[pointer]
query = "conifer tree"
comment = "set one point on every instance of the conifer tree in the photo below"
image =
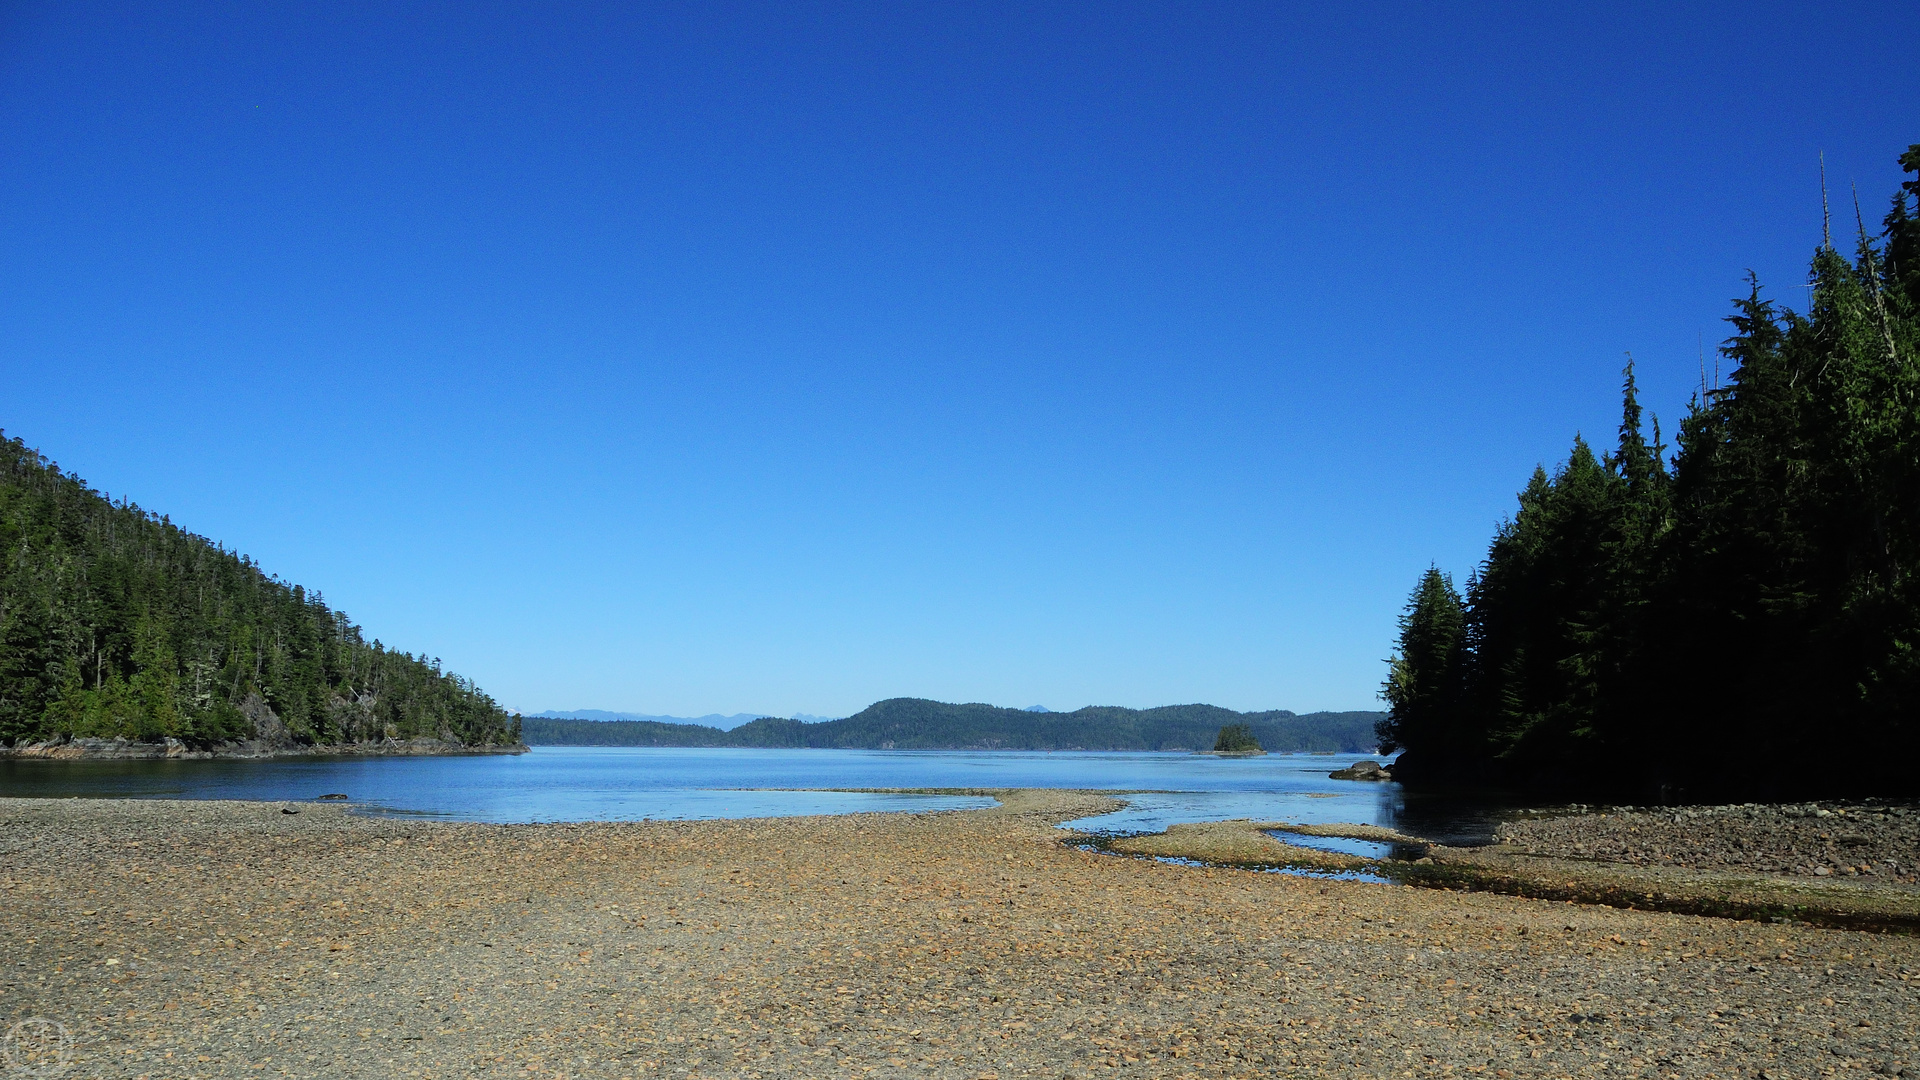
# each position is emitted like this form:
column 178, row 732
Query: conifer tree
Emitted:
column 1425, row 686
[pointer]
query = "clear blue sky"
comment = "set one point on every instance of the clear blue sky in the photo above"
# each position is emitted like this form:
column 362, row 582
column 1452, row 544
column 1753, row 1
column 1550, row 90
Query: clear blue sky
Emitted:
column 784, row 357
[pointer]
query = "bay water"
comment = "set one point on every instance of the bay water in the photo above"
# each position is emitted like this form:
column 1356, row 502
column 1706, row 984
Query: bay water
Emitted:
column 566, row 783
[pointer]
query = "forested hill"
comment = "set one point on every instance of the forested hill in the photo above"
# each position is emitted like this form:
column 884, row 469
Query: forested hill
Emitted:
column 918, row 724
column 1693, row 626
column 115, row 623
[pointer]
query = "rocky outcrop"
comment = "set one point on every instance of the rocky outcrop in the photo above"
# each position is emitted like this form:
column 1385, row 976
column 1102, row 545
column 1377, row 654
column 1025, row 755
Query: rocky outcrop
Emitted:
column 100, row 750
column 1362, row 770
column 268, row 730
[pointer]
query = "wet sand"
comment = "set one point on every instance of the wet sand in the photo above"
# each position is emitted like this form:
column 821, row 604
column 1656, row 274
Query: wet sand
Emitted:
column 190, row 939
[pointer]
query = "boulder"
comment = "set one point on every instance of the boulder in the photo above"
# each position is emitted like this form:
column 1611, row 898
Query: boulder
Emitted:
column 1362, row 770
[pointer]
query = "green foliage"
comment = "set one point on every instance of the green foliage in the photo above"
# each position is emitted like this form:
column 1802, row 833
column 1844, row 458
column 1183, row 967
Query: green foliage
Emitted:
column 917, row 724
column 1674, row 631
column 1425, row 686
column 114, row 623
column 1235, row 739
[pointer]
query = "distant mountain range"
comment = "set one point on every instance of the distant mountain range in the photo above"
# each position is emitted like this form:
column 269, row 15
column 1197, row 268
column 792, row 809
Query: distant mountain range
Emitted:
column 918, row 724
column 712, row 720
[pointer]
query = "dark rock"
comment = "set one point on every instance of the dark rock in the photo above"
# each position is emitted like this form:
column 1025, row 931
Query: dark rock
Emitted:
column 268, row 729
column 1362, row 770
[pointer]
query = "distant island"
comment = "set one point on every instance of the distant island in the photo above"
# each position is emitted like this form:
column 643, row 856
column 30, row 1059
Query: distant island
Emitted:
column 123, row 635
column 919, row 724
column 1237, row 739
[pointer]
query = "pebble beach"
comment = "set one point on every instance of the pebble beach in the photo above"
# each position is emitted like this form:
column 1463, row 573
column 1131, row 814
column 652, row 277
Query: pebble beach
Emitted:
column 150, row 938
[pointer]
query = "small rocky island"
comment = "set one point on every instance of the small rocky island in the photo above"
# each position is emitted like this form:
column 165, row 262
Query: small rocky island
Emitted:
column 1236, row 740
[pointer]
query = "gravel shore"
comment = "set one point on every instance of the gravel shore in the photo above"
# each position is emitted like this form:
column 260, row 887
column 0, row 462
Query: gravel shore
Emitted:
column 1867, row 840
column 205, row 939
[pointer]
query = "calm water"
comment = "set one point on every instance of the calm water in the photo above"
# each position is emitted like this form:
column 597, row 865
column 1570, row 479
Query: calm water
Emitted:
column 558, row 783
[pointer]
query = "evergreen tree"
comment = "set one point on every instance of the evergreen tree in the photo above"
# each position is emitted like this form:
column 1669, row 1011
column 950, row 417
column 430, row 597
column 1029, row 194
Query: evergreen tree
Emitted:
column 1902, row 233
column 1425, row 685
column 1540, row 615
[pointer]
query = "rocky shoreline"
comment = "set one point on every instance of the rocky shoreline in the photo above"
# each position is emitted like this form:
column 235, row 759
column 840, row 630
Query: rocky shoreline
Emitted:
column 1868, row 840
column 1839, row 865
column 225, row 939
column 175, row 749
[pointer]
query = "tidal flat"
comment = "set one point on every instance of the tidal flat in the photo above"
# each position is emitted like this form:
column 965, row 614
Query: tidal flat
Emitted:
column 214, row 939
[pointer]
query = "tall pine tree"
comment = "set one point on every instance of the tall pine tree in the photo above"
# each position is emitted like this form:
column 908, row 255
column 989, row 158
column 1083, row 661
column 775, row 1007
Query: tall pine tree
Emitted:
column 1426, row 681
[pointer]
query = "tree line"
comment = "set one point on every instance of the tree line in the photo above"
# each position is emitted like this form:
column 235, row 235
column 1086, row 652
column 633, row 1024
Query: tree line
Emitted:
column 116, row 623
column 1697, row 624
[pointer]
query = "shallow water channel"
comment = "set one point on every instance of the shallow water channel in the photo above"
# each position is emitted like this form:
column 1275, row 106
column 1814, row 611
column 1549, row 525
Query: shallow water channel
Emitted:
column 1365, row 849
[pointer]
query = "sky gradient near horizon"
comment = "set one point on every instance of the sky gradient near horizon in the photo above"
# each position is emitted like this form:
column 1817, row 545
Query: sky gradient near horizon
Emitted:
column 721, row 358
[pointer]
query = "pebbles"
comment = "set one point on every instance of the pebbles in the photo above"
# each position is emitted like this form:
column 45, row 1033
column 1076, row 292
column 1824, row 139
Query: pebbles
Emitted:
column 1874, row 841
column 252, row 943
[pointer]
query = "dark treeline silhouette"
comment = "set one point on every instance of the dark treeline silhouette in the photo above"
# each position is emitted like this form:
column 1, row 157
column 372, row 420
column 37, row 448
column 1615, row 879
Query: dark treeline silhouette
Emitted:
column 1702, row 626
column 918, row 724
column 115, row 623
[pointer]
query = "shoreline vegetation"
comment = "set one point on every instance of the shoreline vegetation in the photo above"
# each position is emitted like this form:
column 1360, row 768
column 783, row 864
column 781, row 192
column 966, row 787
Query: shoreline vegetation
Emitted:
column 1682, row 629
column 123, row 635
column 235, row 939
column 919, row 724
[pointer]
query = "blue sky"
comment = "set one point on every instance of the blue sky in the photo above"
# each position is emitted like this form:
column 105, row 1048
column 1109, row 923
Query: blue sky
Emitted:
column 784, row 357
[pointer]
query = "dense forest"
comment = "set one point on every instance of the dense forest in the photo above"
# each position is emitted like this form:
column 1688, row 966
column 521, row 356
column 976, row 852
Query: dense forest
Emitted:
column 1700, row 625
column 917, row 724
column 115, row 623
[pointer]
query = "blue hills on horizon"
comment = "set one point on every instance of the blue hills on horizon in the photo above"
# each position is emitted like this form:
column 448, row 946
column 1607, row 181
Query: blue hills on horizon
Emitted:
column 712, row 720
column 920, row 724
